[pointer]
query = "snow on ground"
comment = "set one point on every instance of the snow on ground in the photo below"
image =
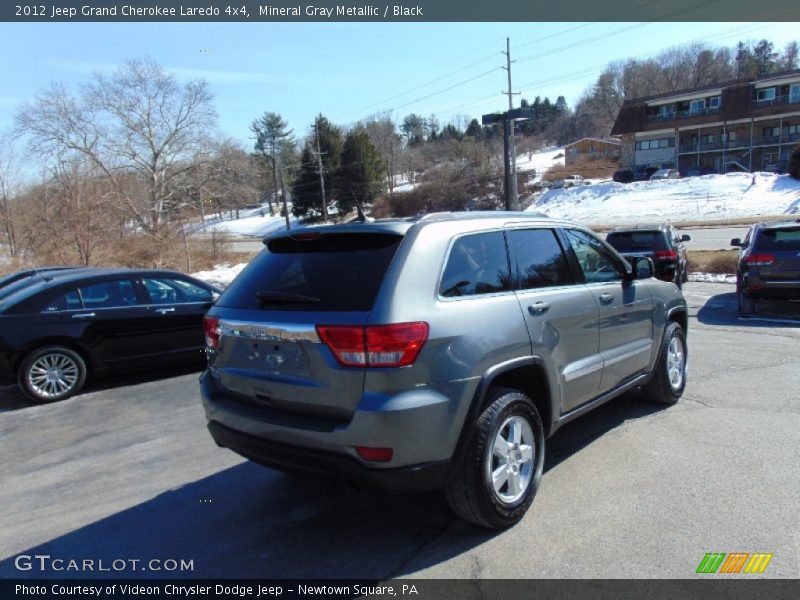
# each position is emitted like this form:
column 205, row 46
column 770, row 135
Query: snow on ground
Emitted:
column 691, row 199
column 540, row 161
column 712, row 277
column 254, row 222
column 221, row 275
column 256, row 226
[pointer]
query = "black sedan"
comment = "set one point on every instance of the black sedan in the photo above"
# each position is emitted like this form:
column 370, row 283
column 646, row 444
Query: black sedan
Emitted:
column 59, row 327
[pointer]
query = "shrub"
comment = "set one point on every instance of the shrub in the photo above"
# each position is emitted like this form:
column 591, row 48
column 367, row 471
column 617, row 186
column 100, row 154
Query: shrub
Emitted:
column 714, row 261
column 589, row 168
column 447, row 187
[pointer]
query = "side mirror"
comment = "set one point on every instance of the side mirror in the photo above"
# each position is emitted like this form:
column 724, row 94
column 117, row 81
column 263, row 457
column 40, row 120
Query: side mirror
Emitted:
column 644, row 267
column 736, row 242
column 686, row 238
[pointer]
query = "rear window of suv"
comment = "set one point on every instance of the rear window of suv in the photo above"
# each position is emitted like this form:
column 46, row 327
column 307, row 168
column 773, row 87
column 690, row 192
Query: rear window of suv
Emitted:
column 777, row 240
column 631, row 241
column 328, row 272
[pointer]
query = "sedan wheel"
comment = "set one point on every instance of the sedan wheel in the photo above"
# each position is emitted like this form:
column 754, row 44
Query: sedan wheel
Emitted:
column 52, row 373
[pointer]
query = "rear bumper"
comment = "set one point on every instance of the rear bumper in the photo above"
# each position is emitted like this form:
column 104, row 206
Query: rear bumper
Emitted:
column 289, row 458
column 421, row 426
column 756, row 287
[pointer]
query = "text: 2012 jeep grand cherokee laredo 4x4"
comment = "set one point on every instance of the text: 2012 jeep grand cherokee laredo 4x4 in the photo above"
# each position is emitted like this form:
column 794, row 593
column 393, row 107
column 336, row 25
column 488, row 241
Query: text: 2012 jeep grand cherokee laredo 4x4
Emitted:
column 434, row 352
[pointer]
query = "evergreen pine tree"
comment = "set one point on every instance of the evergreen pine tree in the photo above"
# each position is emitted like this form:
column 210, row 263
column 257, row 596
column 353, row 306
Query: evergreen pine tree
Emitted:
column 474, row 130
column 561, row 106
column 360, row 175
column 765, row 58
column 306, row 193
column 273, row 143
column 413, row 127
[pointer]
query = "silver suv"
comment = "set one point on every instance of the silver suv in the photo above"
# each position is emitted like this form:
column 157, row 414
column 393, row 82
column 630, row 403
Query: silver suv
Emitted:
column 434, row 352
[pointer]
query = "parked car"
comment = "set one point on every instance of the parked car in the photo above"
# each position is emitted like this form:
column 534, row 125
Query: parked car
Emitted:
column 699, row 171
column 62, row 327
column 27, row 274
column 769, row 264
column 624, row 176
column 572, row 180
column 436, row 352
column 644, row 173
column 661, row 243
column 666, row 174
column 782, row 166
column 568, row 181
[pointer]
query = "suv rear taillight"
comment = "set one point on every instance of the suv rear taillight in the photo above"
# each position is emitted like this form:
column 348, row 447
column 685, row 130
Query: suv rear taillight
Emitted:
column 666, row 254
column 396, row 345
column 760, row 260
column 211, row 330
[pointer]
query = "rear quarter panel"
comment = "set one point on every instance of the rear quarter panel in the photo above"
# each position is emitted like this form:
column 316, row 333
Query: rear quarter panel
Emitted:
column 468, row 334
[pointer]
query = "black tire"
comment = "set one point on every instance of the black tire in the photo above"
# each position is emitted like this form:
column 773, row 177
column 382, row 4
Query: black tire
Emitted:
column 470, row 490
column 67, row 371
column 746, row 304
column 663, row 388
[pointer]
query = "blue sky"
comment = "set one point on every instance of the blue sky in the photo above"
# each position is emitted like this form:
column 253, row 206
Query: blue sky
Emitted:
column 347, row 71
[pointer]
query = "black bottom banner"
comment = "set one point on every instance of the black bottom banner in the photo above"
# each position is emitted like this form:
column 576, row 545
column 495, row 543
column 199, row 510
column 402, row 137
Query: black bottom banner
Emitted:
column 421, row 589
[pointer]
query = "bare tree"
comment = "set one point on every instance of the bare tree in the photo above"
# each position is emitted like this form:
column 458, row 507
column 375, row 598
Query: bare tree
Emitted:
column 8, row 187
column 136, row 121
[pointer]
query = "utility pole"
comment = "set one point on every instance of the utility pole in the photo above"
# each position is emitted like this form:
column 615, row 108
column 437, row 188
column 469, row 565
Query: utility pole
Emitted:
column 320, row 172
column 283, row 197
column 510, row 158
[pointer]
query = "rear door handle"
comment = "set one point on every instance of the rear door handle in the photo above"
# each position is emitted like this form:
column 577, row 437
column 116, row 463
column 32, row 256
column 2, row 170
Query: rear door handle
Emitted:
column 538, row 308
column 83, row 315
column 606, row 298
column 163, row 311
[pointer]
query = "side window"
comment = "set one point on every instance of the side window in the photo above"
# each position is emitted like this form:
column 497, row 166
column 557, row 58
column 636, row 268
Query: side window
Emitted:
column 108, row 294
column 175, row 291
column 66, row 301
column 477, row 264
column 596, row 261
column 537, row 259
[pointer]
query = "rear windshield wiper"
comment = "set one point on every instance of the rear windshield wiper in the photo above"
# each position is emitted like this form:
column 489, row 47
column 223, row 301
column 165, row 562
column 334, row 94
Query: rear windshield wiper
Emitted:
column 267, row 297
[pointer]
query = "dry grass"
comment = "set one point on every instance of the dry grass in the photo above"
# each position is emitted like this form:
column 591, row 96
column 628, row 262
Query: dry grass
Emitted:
column 142, row 251
column 713, row 261
column 599, row 168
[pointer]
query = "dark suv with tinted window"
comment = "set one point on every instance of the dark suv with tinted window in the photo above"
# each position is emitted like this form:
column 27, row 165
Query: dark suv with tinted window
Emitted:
column 769, row 264
column 434, row 352
column 661, row 243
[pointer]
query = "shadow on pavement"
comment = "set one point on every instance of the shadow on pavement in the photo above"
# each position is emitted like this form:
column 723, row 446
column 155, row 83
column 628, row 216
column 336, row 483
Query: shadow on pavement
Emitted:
column 11, row 398
column 578, row 434
column 722, row 309
column 248, row 521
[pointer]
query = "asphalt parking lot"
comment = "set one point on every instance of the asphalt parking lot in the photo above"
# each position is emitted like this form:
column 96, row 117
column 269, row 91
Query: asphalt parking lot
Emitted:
column 630, row 490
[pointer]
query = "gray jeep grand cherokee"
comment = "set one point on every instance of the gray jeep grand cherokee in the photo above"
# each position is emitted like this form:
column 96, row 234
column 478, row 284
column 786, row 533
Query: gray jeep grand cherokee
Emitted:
column 434, row 352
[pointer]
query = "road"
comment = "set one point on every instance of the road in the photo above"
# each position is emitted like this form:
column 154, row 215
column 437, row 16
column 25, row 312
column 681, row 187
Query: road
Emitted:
column 630, row 490
column 713, row 238
column 705, row 238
